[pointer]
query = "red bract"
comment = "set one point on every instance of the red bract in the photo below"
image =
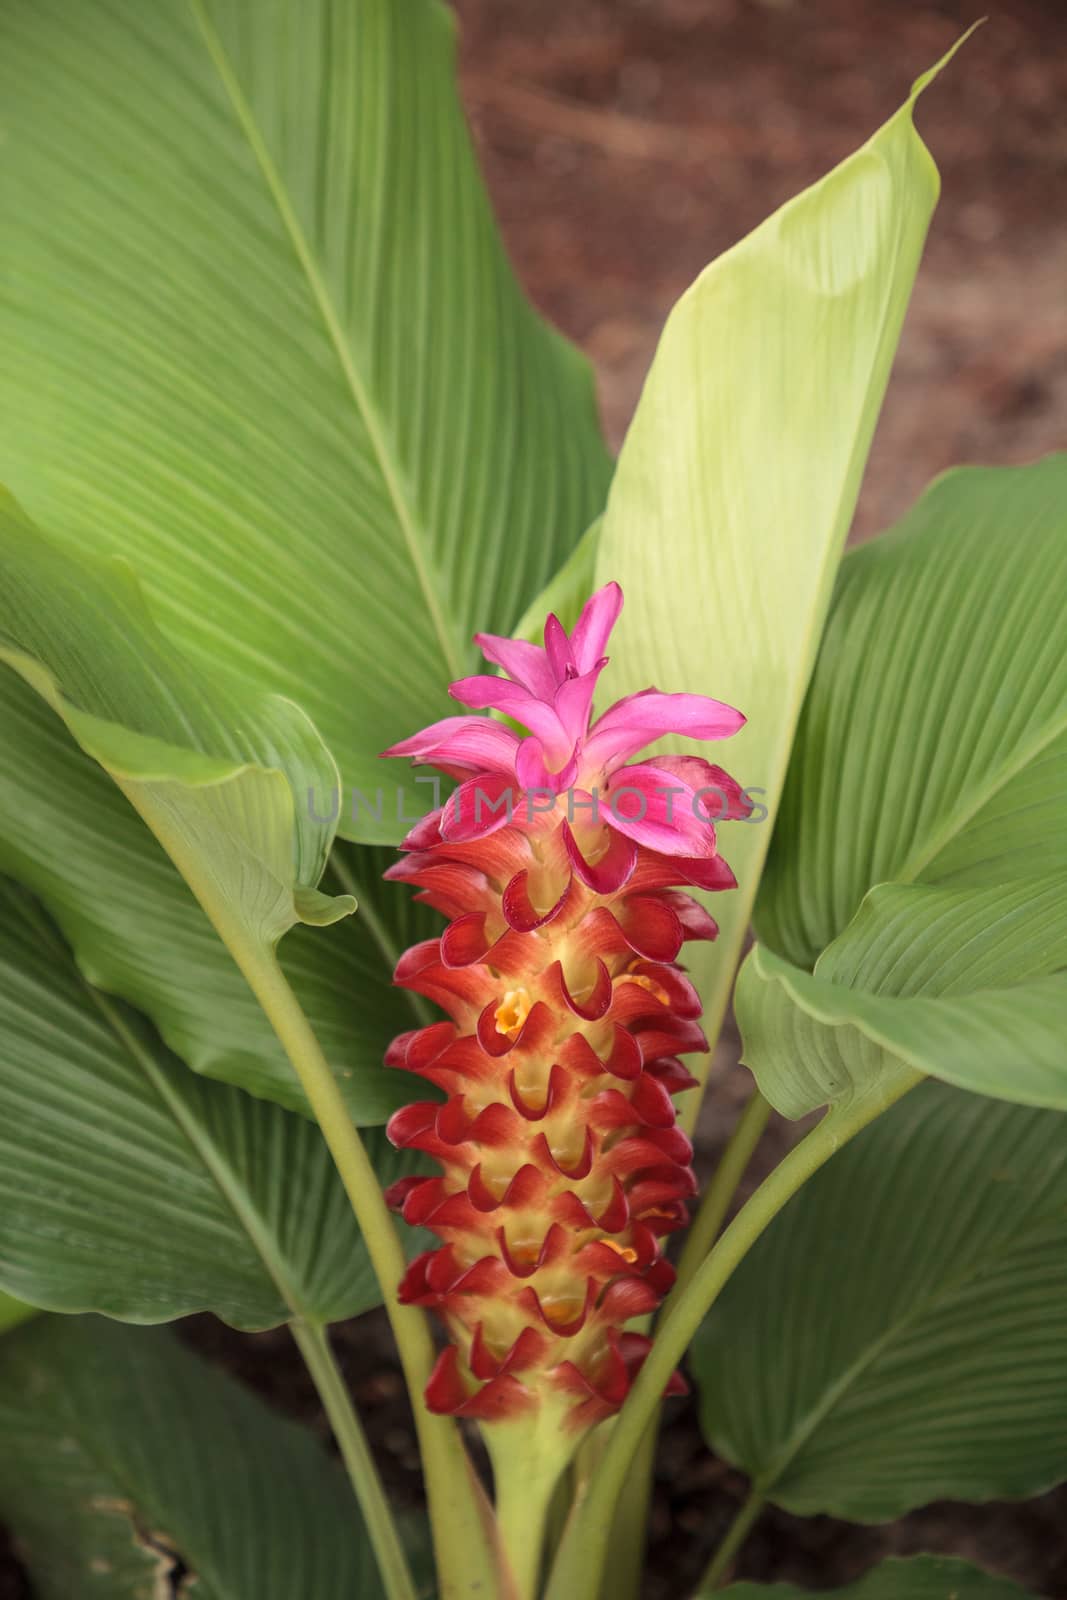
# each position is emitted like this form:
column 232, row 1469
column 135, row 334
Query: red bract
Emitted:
column 565, row 875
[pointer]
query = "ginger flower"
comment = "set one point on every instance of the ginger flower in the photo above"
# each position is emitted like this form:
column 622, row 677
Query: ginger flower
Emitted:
column 565, row 871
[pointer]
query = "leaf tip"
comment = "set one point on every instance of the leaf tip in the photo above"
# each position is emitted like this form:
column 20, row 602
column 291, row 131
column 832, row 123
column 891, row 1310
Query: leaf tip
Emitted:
column 926, row 78
column 320, row 910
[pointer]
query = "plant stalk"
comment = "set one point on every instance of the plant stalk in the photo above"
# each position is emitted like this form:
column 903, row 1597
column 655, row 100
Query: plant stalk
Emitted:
column 622, row 1573
column 522, row 1509
column 736, row 1534
column 314, row 1344
column 459, row 1514
column 720, row 1192
column 625, row 1556
column 581, row 1556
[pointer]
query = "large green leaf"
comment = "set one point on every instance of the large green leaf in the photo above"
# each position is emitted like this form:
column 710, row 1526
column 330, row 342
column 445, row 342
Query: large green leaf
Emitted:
column 261, row 338
column 965, row 985
column 129, row 1186
column 919, row 1578
column 933, row 746
column 737, row 481
column 137, row 931
column 898, row 1335
column 131, row 1470
column 220, row 774
column 929, row 778
column 12, row 1312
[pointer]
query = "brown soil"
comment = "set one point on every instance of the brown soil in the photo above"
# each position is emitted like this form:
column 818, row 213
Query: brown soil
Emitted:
column 627, row 142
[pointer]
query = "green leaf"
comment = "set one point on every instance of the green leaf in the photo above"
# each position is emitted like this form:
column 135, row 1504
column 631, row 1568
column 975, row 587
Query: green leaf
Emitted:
column 261, row 338
column 137, row 931
column 965, row 985
column 921, row 1282
column 220, row 775
column 130, row 1469
column 567, row 591
column 937, row 717
column 738, row 478
column 12, row 1312
column 129, row 1186
column 920, row 859
column 918, row 1578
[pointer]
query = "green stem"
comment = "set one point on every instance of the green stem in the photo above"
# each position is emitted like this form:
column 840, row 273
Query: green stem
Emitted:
column 720, row 1191
column 522, row 1509
column 314, row 1345
column 625, row 1556
column 530, row 1460
column 581, row 1556
column 458, row 1512
column 622, row 1573
column 736, row 1534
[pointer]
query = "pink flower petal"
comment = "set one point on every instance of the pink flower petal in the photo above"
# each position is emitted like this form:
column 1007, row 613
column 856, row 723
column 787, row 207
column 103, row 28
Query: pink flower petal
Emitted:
column 654, row 807
column 640, row 719
column 526, row 663
column 722, row 797
column 574, row 702
column 459, row 745
column 539, row 716
column 479, row 806
column 557, row 648
column 593, row 628
column 532, row 773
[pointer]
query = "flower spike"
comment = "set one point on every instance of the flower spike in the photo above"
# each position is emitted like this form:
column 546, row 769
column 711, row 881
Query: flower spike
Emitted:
column 565, row 874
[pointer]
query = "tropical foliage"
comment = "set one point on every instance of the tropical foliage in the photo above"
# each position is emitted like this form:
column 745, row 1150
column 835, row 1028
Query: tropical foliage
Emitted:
column 280, row 434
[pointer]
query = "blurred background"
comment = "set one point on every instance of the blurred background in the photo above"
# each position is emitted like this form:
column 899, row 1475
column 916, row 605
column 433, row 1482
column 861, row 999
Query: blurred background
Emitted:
column 629, row 142
column 626, row 144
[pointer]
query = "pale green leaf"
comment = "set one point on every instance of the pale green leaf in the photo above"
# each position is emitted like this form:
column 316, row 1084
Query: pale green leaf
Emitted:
column 131, row 1470
column 737, row 481
column 919, row 864
column 261, row 338
column 917, row 1578
column 130, row 1186
column 137, row 931
column 898, row 1335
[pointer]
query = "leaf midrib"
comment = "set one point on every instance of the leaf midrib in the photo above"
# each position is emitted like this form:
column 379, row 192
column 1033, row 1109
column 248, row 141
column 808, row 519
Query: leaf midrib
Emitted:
column 132, row 1490
column 765, row 1481
column 392, row 474
column 959, row 819
column 218, row 1168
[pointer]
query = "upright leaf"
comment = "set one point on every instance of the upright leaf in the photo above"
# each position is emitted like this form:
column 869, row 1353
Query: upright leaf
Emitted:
column 919, row 865
column 898, row 1335
column 129, row 1186
column 261, row 338
column 131, row 1469
column 737, row 481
